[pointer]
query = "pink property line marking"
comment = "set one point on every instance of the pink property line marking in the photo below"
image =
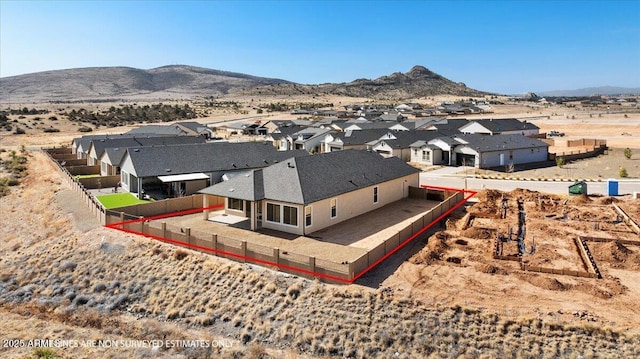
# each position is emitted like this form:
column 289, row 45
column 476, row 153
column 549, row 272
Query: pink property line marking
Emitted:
column 119, row 226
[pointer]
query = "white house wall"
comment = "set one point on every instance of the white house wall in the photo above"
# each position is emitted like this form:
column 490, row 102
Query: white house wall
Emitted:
column 524, row 155
column 358, row 202
column 348, row 205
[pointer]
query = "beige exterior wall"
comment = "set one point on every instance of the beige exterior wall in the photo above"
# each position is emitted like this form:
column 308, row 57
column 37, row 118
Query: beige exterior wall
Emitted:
column 348, row 205
column 355, row 203
column 299, row 229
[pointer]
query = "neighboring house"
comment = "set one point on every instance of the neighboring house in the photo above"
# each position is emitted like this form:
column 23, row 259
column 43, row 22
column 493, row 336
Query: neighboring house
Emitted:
column 366, row 126
column 482, row 151
column 196, row 128
column 410, row 125
column 308, row 139
column 438, row 151
column 351, row 140
column 184, row 169
column 81, row 145
column 110, row 165
column 398, row 144
column 506, row 126
column 447, row 125
column 246, row 128
column 281, row 137
column 305, row 194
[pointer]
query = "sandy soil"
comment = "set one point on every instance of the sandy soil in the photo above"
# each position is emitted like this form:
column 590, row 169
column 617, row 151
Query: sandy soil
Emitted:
column 481, row 281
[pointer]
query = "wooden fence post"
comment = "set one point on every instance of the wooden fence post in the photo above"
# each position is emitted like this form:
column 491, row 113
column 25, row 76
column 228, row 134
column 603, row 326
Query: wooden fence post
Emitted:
column 312, row 265
column 214, row 240
column 243, row 251
column 276, row 256
column 187, row 233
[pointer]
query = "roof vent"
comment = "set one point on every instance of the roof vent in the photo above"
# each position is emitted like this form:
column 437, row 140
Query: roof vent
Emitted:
column 168, row 170
column 290, row 165
column 136, row 150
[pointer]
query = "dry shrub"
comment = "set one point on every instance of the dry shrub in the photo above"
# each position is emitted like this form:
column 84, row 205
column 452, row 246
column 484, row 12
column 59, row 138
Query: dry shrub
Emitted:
column 180, row 254
column 256, row 351
column 270, row 287
column 293, row 291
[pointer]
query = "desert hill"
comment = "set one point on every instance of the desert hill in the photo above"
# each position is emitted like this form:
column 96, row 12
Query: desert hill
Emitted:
column 180, row 81
column 102, row 83
column 418, row 82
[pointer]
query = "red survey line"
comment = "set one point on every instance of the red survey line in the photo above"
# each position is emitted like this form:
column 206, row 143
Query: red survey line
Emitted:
column 421, row 231
column 120, row 227
column 251, row 259
column 166, row 215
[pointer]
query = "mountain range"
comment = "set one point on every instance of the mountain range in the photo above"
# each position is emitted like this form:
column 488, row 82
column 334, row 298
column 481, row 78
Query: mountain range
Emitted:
column 187, row 82
column 592, row 91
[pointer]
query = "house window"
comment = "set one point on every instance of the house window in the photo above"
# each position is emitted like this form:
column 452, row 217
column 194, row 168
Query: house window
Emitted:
column 532, row 150
column 334, row 207
column 124, row 178
column 307, row 216
column 426, row 155
column 375, row 194
column 103, row 166
column 235, row 204
column 290, row 216
column 273, row 212
column 511, row 155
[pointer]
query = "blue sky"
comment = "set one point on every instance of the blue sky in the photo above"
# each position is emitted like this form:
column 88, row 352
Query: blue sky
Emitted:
column 498, row 46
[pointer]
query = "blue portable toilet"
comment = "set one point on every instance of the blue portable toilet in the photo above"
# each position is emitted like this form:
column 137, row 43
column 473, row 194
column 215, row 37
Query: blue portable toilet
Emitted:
column 612, row 187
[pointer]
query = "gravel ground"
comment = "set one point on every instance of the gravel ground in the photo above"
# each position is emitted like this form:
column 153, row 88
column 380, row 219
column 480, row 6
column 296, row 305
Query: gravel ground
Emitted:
column 604, row 166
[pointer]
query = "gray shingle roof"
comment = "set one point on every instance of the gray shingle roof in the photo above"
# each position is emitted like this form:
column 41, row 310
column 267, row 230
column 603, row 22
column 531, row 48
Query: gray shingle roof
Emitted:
column 404, row 139
column 485, row 143
column 505, row 124
column 166, row 130
column 308, row 179
column 247, row 186
column 101, row 144
column 206, row 157
column 359, row 137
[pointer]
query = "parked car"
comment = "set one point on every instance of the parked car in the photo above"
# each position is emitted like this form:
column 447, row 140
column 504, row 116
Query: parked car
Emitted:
column 554, row 133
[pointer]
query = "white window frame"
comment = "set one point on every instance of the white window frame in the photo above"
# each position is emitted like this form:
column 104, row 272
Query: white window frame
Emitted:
column 278, row 213
column 333, row 208
column 124, row 178
column 241, row 209
column 308, row 216
column 295, row 218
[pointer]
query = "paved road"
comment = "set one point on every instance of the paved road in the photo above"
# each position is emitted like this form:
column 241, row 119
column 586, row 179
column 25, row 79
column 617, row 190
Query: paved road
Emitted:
column 460, row 181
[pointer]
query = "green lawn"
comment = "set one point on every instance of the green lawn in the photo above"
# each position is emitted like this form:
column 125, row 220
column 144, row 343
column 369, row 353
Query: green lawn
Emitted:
column 119, row 200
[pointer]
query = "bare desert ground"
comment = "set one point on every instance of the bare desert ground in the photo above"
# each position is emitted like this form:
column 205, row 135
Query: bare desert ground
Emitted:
column 62, row 276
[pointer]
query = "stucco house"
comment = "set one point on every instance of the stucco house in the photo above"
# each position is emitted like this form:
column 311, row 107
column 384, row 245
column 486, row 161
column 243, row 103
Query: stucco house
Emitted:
column 480, row 151
column 397, row 144
column 504, row 126
column 305, row 194
column 98, row 146
column 351, row 140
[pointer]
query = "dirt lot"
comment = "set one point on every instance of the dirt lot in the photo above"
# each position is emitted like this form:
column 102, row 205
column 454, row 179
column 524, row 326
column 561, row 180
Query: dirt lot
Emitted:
column 460, row 265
